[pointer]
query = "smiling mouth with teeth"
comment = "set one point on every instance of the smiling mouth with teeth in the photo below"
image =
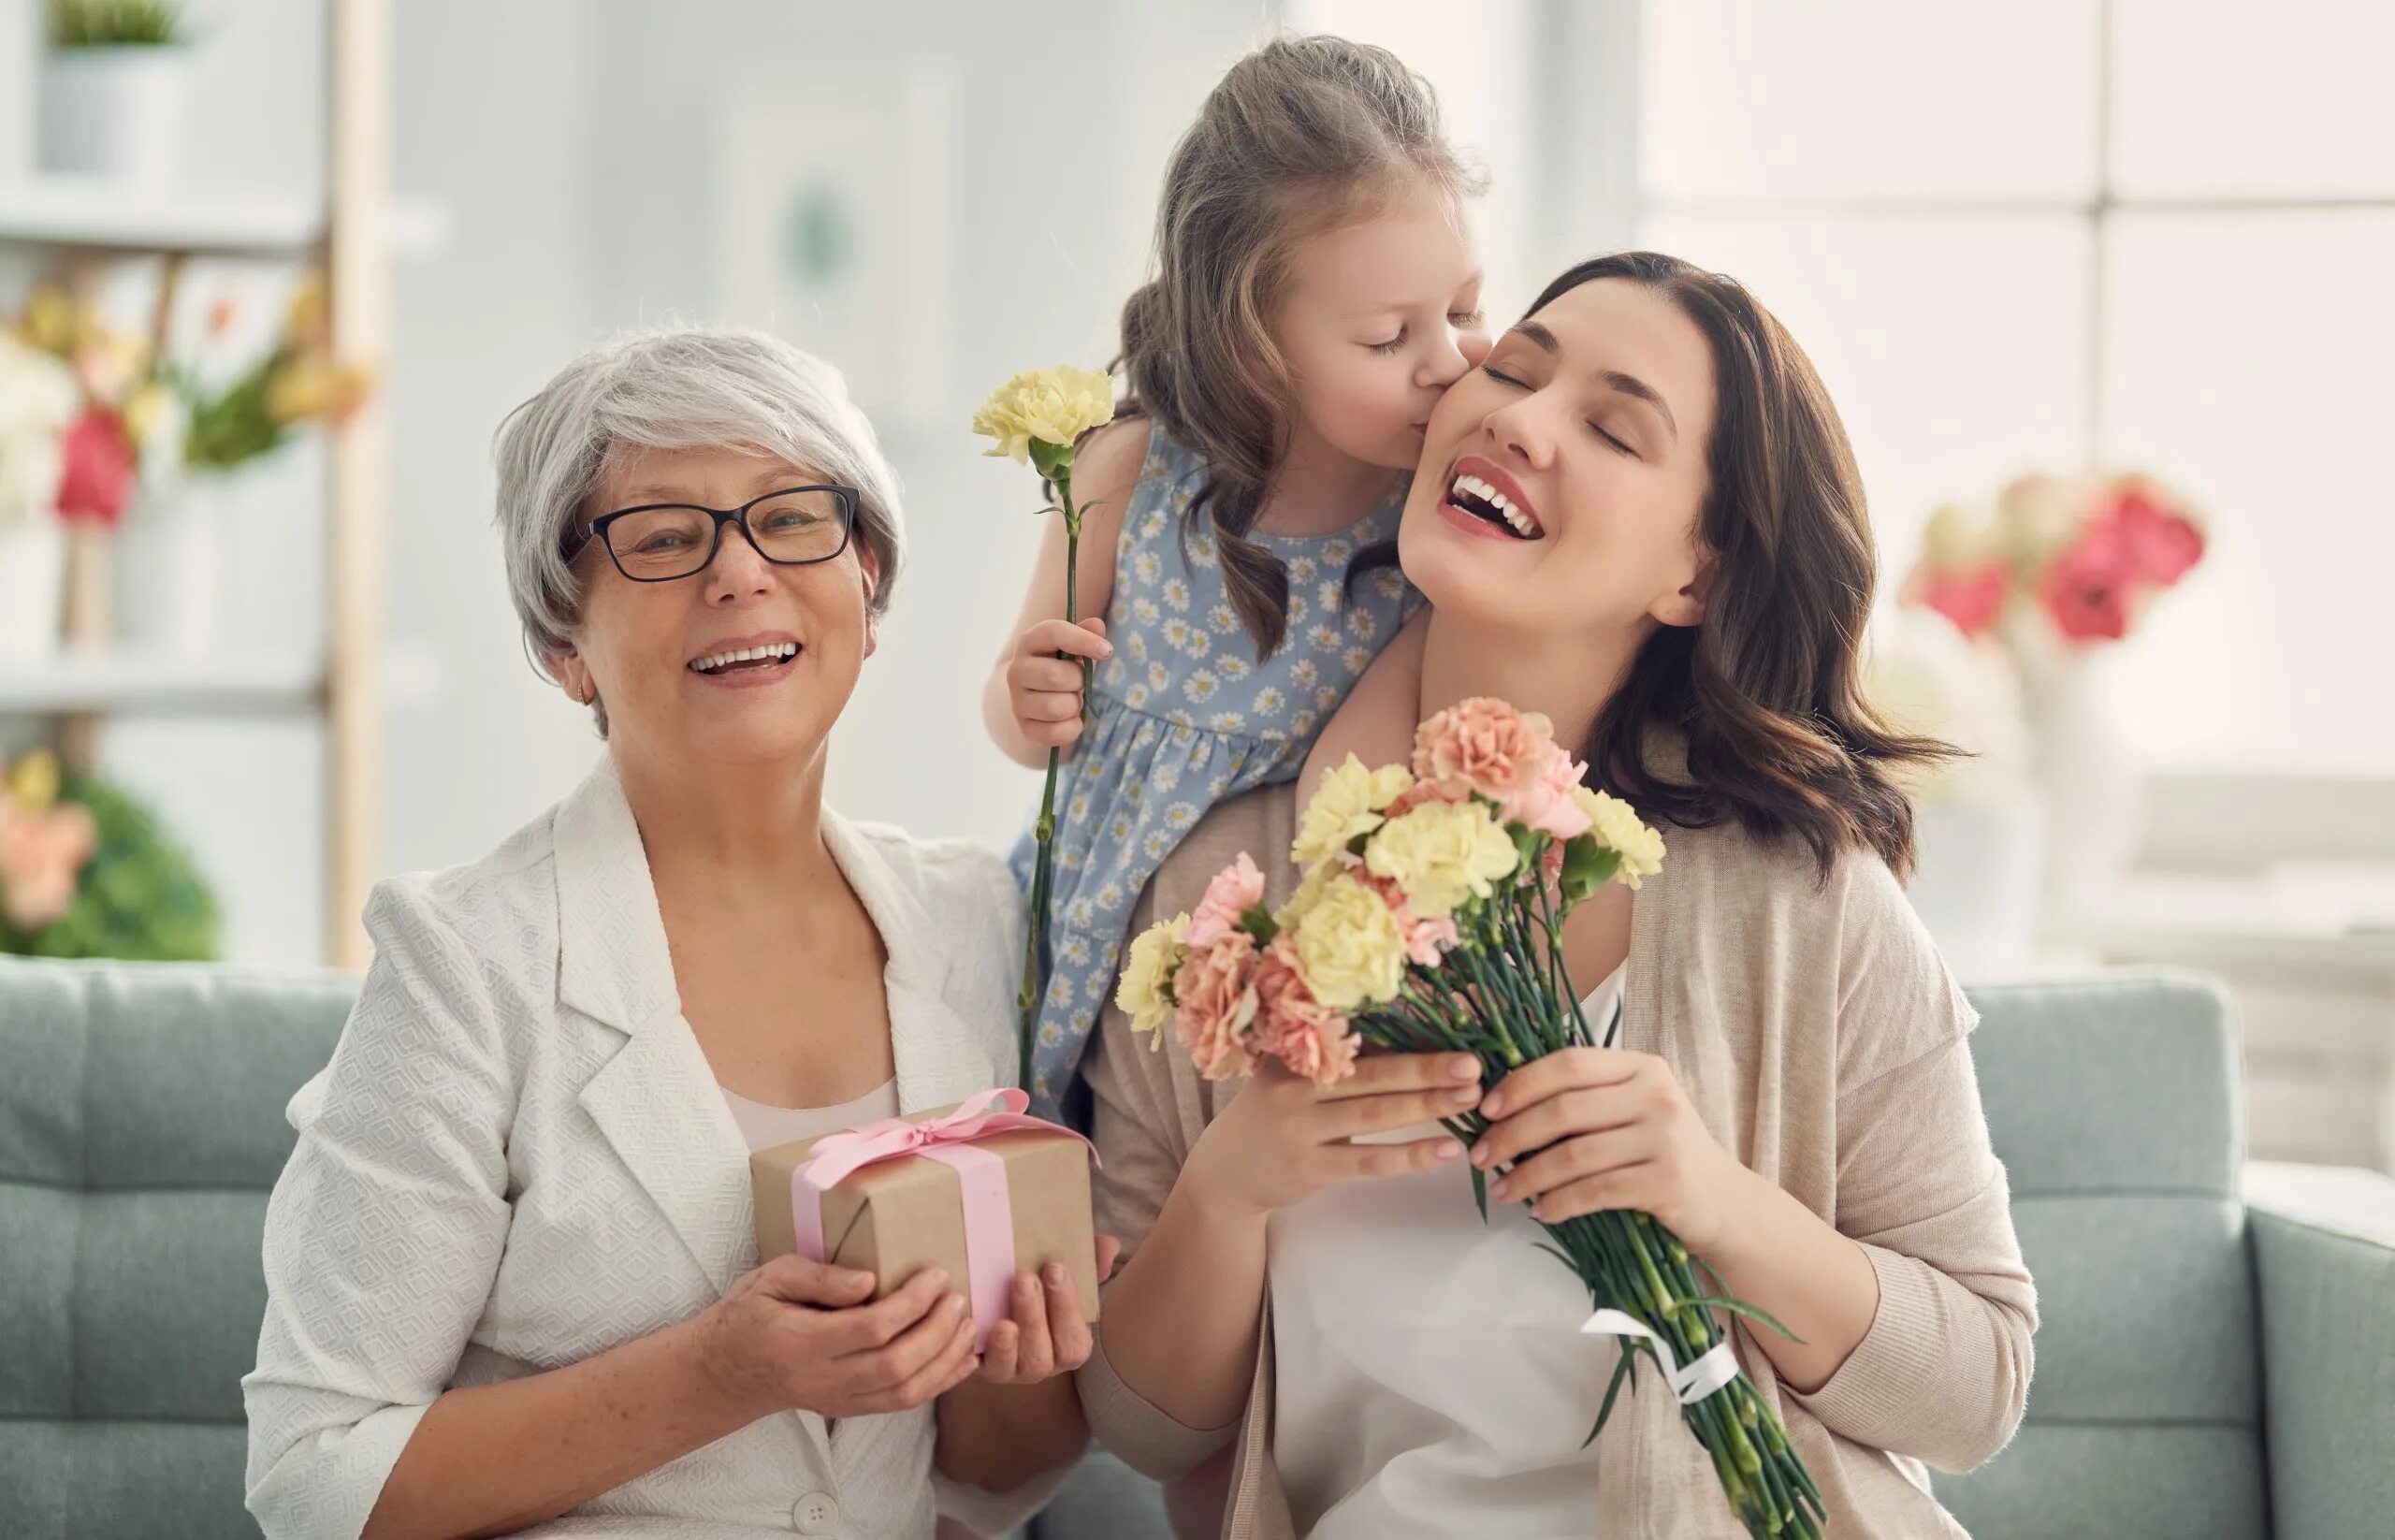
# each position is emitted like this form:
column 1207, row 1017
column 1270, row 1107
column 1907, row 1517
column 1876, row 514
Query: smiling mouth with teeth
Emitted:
column 1484, row 502
column 745, row 658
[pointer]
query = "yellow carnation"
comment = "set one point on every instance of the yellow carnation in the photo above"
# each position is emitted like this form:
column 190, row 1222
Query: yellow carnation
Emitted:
column 1349, row 949
column 1440, row 854
column 1055, row 406
column 1348, row 803
column 1618, row 829
column 1144, row 990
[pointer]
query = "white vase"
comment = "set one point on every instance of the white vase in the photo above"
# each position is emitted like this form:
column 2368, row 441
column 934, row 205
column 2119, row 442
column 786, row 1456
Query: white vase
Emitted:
column 170, row 567
column 32, row 588
column 2086, row 782
column 114, row 112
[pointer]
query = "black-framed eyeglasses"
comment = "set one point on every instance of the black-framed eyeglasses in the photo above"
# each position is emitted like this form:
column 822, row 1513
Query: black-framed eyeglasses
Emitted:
column 659, row 542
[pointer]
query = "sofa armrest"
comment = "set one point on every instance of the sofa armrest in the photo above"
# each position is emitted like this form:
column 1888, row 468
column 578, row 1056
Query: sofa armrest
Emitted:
column 2324, row 1260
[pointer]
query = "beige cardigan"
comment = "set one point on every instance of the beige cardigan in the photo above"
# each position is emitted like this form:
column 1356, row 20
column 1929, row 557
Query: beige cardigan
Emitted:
column 1822, row 1039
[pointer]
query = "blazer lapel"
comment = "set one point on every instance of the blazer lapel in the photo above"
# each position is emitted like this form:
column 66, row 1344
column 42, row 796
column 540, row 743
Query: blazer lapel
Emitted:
column 939, row 1057
column 656, row 1100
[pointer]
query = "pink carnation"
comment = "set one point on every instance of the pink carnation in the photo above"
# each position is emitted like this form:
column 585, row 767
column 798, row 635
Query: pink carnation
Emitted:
column 1309, row 1037
column 1484, row 745
column 1548, row 804
column 1236, row 889
column 1426, row 940
column 1216, row 999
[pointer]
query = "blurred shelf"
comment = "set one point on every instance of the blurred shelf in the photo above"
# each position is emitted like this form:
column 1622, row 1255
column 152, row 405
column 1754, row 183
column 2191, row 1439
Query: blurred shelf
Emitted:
column 75, row 211
column 163, row 682
column 239, row 681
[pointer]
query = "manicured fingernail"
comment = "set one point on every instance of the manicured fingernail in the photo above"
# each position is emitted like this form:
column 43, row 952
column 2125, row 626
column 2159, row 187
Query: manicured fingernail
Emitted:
column 1449, row 1152
column 1500, row 1187
column 1463, row 1068
column 1025, row 1283
column 1492, row 1104
column 953, row 1304
column 1464, row 1095
column 1054, row 1273
column 1480, row 1155
column 940, row 1278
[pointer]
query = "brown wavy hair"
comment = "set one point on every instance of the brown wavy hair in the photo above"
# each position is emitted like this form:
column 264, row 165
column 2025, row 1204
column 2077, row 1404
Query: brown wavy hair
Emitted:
column 1766, row 692
column 1299, row 137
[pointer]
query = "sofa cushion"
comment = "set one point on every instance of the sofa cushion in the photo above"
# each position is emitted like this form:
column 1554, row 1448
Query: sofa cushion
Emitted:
column 2113, row 1103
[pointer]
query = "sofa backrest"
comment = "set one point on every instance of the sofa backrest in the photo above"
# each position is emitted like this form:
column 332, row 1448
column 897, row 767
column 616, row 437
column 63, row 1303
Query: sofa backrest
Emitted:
column 2114, row 1104
column 140, row 1130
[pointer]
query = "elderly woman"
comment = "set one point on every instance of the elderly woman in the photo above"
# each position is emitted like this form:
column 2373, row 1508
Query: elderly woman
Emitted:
column 511, row 1269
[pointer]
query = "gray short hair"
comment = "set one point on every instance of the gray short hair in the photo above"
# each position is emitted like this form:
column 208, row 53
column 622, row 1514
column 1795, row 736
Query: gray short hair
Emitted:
column 681, row 388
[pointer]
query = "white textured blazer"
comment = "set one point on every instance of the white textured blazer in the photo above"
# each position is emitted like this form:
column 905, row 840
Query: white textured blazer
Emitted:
column 519, row 1157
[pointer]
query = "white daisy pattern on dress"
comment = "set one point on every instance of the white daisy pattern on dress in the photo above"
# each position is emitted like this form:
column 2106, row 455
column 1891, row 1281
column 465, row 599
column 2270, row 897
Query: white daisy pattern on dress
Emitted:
column 1184, row 715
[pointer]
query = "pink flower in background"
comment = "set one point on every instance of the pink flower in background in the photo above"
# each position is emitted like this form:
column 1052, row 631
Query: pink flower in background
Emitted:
column 1235, row 890
column 1971, row 597
column 1214, row 995
column 2088, row 589
column 1486, row 745
column 1421, row 792
column 98, row 476
column 1309, row 1037
column 2161, row 545
column 42, row 857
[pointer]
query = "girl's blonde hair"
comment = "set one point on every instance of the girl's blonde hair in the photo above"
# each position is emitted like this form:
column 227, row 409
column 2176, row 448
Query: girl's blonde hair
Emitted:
column 1302, row 137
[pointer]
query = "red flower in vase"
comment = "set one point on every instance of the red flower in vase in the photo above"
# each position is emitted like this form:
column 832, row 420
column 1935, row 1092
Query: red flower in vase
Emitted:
column 98, row 477
column 1970, row 597
column 2159, row 544
column 2088, row 589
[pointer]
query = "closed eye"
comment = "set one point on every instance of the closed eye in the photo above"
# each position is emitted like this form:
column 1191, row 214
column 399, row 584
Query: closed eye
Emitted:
column 1599, row 430
column 1391, row 345
column 1467, row 318
column 1501, row 377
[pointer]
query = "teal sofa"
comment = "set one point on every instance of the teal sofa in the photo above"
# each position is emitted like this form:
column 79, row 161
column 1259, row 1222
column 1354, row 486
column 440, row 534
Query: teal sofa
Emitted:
column 2218, row 1358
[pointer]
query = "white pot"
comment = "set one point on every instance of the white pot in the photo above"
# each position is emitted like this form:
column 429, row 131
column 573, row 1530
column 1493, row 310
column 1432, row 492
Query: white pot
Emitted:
column 2086, row 779
column 170, row 567
column 114, row 112
column 32, row 588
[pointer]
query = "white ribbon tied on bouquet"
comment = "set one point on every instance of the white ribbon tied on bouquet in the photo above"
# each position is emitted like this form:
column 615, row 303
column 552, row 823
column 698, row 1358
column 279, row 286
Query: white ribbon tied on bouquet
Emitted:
column 1692, row 1382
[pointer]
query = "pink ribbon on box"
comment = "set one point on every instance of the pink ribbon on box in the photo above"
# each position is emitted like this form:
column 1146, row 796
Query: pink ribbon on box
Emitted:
column 989, row 1209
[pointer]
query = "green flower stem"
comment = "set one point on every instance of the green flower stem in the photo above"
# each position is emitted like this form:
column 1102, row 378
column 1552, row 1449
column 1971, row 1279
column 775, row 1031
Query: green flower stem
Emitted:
column 1044, row 870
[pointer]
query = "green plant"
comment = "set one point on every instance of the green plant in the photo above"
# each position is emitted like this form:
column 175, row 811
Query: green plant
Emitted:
column 140, row 897
column 116, row 23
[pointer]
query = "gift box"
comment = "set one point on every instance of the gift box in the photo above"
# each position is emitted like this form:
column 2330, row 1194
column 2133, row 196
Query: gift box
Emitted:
column 978, row 1189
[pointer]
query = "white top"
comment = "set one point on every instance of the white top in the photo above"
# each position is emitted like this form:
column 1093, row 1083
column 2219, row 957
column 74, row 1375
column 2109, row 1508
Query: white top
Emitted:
column 764, row 1127
column 518, row 1158
column 1431, row 1376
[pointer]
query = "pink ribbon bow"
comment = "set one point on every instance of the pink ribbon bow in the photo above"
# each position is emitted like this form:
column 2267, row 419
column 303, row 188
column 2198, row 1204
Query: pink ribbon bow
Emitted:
column 989, row 1211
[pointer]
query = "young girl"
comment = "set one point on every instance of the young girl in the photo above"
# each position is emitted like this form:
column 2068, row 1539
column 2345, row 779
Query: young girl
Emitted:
column 1317, row 292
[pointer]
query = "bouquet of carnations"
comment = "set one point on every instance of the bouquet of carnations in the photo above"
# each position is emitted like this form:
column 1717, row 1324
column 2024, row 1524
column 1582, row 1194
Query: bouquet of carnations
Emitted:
column 1431, row 920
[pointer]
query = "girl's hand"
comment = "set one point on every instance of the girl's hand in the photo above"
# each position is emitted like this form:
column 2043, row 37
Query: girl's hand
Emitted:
column 1283, row 1139
column 1046, row 1336
column 795, row 1334
column 1043, row 690
column 1605, row 1129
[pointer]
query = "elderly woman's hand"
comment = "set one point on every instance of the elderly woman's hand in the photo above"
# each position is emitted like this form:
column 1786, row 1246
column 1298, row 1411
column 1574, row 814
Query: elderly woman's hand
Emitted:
column 1046, row 1336
column 800, row 1334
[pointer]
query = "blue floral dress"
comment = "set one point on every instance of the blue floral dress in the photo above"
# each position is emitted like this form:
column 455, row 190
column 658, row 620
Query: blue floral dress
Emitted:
column 1183, row 715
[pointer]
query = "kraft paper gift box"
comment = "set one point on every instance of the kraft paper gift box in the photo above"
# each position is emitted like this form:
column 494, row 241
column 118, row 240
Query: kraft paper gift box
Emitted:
column 900, row 1190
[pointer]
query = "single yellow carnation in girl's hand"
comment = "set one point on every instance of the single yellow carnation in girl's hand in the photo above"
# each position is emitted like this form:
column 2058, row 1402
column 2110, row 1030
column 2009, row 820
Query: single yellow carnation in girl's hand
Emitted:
column 1144, row 992
column 1619, row 828
column 1349, row 803
column 1440, row 854
column 1350, row 951
column 1053, row 406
